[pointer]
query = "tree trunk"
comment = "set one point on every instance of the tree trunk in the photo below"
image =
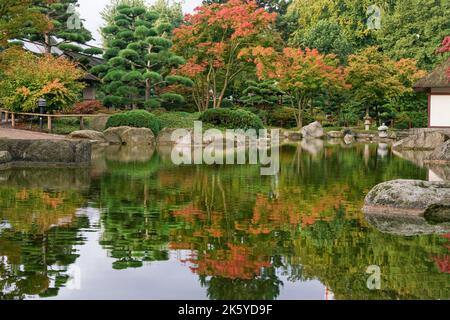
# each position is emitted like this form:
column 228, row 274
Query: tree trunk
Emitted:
column 47, row 43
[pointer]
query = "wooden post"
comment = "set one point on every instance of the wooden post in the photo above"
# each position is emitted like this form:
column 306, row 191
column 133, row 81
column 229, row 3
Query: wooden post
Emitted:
column 13, row 120
column 49, row 124
column 6, row 118
column 81, row 123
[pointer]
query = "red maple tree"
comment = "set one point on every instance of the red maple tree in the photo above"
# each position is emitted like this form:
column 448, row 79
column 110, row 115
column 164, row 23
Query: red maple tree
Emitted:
column 211, row 40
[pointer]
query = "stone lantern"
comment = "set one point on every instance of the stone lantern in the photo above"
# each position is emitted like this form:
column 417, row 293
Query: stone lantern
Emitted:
column 367, row 122
column 383, row 131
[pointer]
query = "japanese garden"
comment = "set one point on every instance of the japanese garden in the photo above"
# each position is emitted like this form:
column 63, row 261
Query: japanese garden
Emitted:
column 136, row 137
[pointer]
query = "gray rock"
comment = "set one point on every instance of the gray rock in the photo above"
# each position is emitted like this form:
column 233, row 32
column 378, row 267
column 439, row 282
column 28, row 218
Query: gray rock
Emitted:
column 138, row 136
column 439, row 171
column 335, row 134
column 5, row 156
column 405, row 225
column 88, row 135
column 349, row 139
column 165, row 137
column 313, row 131
column 113, row 135
column 99, row 123
column 425, row 140
column 441, row 154
column 407, row 197
column 51, row 151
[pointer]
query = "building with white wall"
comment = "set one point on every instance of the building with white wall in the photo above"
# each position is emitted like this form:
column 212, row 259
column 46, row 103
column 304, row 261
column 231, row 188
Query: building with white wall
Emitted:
column 437, row 86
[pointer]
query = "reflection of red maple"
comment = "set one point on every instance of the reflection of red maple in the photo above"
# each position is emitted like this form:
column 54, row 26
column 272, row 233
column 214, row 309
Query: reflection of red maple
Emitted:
column 189, row 213
column 443, row 263
column 236, row 263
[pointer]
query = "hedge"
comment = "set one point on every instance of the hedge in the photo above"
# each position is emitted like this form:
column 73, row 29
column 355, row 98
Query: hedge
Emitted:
column 232, row 119
column 136, row 119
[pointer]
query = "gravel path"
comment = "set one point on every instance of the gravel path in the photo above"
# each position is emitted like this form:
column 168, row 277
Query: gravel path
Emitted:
column 28, row 135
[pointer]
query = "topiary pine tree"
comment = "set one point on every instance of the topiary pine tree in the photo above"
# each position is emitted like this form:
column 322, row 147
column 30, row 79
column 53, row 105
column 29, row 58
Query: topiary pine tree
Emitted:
column 138, row 59
column 261, row 93
column 67, row 32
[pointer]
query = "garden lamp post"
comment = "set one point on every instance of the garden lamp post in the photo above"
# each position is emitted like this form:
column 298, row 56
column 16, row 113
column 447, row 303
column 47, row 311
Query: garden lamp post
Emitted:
column 42, row 103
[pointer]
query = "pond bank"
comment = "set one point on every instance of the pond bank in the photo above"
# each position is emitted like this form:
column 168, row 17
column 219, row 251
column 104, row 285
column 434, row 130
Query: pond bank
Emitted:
column 32, row 152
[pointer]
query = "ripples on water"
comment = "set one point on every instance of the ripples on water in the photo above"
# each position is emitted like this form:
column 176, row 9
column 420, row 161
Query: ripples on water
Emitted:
column 134, row 226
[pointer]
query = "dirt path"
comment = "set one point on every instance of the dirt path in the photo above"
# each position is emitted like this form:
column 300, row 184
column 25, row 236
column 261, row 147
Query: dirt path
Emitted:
column 28, row 135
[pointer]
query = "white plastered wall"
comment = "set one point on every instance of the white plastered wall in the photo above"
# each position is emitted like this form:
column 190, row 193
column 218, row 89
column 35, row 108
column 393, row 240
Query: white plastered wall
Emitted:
column 439, row 110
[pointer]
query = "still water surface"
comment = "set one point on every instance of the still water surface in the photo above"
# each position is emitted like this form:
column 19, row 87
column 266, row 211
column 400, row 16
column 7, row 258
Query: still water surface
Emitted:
column 138, row 227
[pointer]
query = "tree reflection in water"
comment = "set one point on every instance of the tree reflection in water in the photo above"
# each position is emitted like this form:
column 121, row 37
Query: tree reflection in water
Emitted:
column 246, row 234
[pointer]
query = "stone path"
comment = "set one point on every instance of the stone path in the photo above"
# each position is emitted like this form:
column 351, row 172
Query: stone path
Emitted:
column 28, row 135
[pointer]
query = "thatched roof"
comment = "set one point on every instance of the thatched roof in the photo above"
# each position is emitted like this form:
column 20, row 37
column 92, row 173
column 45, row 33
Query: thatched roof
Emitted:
column 438, row 78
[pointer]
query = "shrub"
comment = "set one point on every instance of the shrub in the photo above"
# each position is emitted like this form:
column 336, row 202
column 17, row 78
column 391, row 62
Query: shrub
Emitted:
column 26, row 77
column 177, row 119
column 135, row 118
column 232, row 119
column 88, row 107
column 283, row 117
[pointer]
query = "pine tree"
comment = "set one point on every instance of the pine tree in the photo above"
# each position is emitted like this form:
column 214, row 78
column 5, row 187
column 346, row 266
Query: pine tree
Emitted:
column 16, row 16
column 261, row 93
column 139, row 63
column 68, row 32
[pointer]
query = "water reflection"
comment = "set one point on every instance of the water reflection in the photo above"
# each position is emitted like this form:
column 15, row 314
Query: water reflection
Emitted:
column 218, row 232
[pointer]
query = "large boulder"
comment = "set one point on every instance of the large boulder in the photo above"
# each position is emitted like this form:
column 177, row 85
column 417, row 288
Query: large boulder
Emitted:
column 425, row 140
column 5, row 156
column 51, row 151
column 113, row 135
column 138, row 136
column 88, row 135
column 99, row 123
column 165, row 137
column 408, row 197
column 441, row 154
column 313, row 131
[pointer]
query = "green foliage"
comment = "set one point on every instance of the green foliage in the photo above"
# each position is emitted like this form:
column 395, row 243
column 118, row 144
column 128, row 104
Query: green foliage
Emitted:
column 283, row 117
column 232, row 119
column 25, row 78
column 136, row 119
column 59, row 33
column 18, row 16
column 327, row 37
column 177, row 119
column 262, row 93
column 419, row 34
column 139, row 62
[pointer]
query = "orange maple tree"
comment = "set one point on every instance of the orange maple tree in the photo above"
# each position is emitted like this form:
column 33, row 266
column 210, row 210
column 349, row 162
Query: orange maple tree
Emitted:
column 302, row 74
column 211, row 40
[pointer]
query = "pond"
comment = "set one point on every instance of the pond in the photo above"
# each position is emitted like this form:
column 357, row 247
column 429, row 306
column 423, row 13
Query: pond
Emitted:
column 135, row 226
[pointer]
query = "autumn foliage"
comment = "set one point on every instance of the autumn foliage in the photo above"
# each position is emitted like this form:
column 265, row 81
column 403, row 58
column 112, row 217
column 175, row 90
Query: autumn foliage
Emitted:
column 301, row 74
column 25, row 78
column 445, row 48
column 211, row 40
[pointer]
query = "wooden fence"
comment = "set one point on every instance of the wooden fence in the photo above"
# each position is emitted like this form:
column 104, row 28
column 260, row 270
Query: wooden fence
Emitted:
column 9, row 117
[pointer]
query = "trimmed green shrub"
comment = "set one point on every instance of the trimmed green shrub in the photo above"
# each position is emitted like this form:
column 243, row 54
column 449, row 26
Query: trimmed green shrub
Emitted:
column 232, row 119
column 177, row 119
column 136, row 119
